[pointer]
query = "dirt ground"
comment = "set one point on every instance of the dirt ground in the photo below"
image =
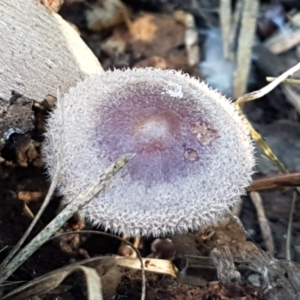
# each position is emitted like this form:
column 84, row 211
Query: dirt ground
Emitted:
column 24, row 180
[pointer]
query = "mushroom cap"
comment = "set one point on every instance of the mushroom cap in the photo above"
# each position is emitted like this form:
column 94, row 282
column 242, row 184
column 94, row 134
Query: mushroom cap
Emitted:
column 194, row 156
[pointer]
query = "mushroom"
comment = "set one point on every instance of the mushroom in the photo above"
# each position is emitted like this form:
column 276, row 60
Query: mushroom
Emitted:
column 194, row 155
column 40, row 51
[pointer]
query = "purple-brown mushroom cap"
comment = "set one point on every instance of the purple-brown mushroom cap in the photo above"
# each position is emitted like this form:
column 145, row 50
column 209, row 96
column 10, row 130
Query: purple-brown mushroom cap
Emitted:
column 194, row 156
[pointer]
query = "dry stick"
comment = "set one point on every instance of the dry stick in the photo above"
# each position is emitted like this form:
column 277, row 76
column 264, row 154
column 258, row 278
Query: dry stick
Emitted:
column 270, row 182
column 263, row 222
column 65, row 215
column 289, row 231
column 51, row 188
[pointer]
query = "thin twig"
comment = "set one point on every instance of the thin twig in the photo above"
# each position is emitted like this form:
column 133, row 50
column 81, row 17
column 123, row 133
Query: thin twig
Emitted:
column 51, row 188
column 288, row 80
column 263, row 222
column 270, row 182
column 65, row 215
column 289, row 230
column 267, row 89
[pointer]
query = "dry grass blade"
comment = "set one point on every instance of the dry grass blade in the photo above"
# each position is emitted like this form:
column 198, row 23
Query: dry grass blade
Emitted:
column 12, row 283
column 267, row 89
column 255, row 135
column 50, row 191
column 289, row 231
column 275, row 181
column 65, row 215
column 27, row 212
column 256, row 95
column 160, row 266
column 288, row 80
column 52, row 280
column 265, row 147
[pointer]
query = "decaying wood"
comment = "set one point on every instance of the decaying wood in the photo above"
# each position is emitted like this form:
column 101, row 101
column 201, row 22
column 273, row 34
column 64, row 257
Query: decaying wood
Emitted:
column 39, row 51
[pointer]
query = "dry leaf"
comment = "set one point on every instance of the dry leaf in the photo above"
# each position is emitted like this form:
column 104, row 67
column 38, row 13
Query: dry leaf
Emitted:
column 154, row 35
column 106, row 14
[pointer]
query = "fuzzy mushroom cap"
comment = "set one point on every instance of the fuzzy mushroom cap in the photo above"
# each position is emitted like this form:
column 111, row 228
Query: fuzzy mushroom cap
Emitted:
column 194, row 156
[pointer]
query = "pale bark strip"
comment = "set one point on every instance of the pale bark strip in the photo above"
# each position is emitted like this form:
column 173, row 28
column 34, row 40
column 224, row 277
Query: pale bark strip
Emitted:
column 226, row 21
column 39, row 51
column 245, row 44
